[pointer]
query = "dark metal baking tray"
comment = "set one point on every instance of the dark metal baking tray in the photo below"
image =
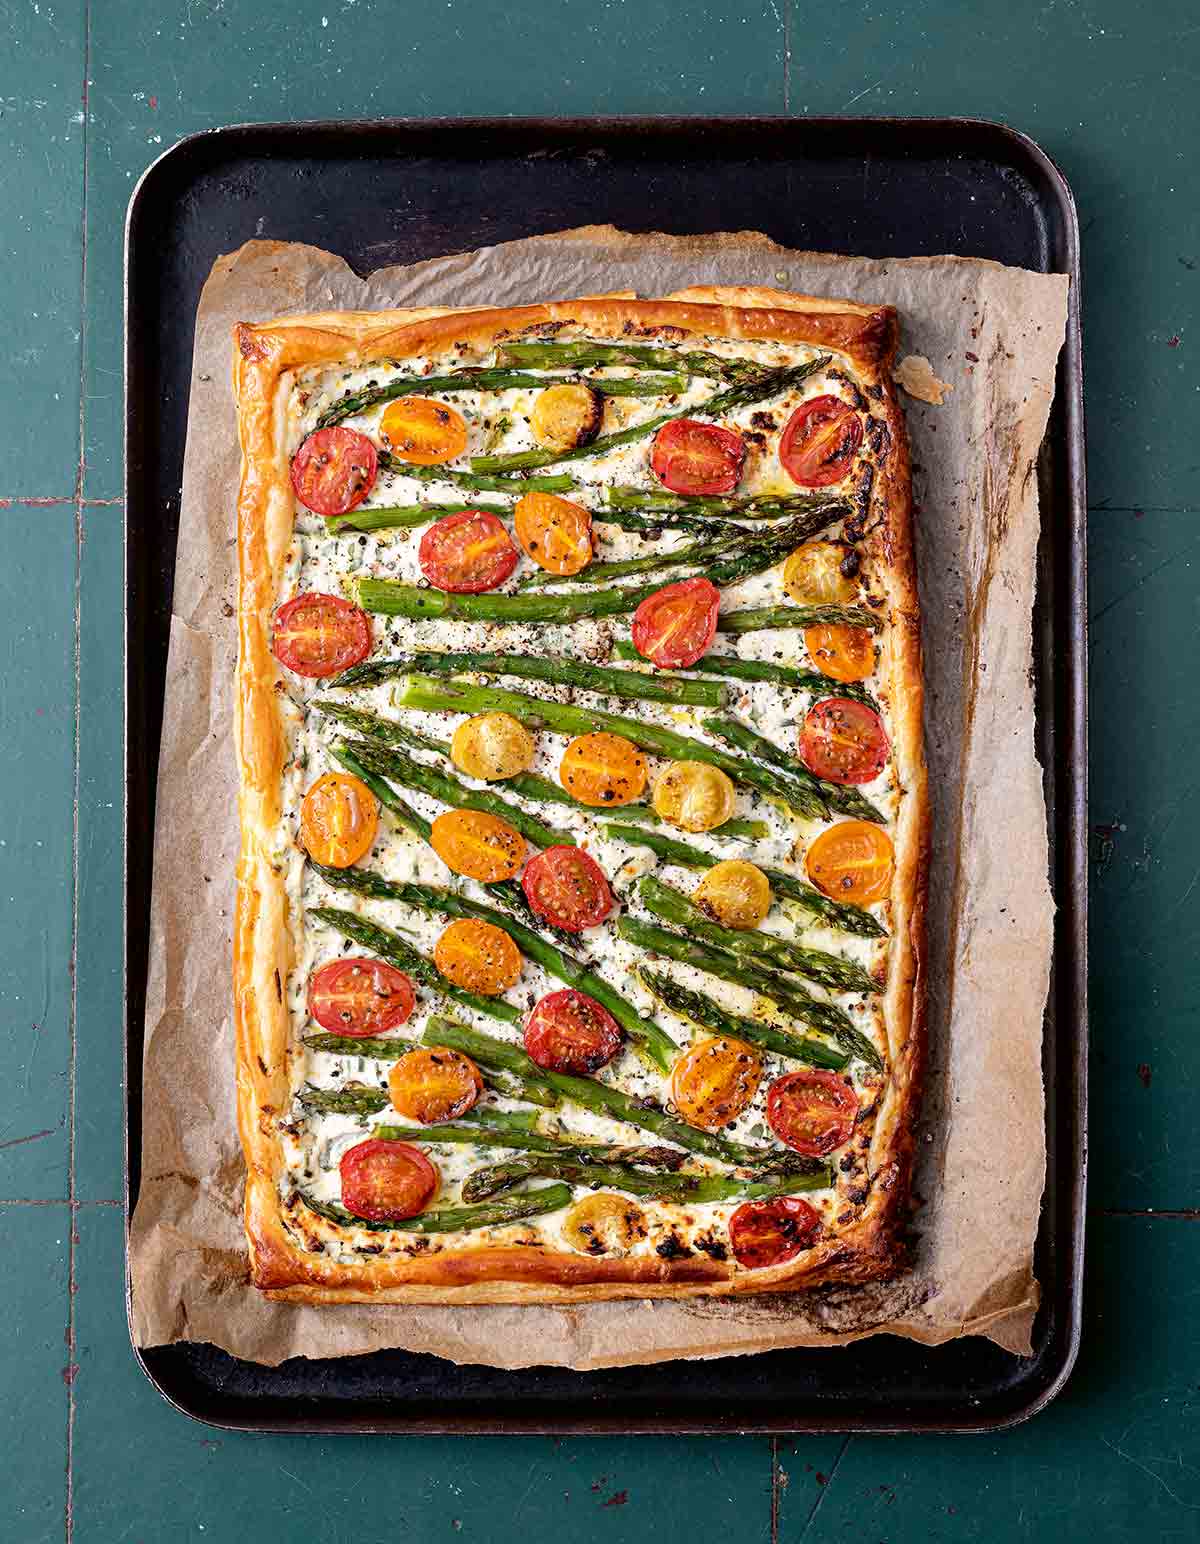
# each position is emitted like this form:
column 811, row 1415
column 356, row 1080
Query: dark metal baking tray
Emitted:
column 397, row 191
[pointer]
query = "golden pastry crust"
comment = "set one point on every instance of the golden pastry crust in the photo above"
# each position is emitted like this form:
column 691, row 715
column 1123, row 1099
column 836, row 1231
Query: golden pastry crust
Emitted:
column 523, row 1269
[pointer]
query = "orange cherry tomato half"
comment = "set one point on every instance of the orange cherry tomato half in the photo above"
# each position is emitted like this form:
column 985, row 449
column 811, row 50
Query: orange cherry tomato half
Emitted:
column 386, row 1181
column 478, row 956
column 714, row 1081
column 555, row 533
column 433, row 1084
column 566, row 887
column 571, row 1032
column 467, row 553
column 675, row 626
column 691, row 457
column 852, row 861
column 819, row 441
column 603, row 769
column 334, row 470
column 481, row 846
column 320, row 635
column 843, row 741
column 764, row 1233
column 840, row 652
column 360, row 997
column 338, row 820
column 423, row 431
column 812, row 1112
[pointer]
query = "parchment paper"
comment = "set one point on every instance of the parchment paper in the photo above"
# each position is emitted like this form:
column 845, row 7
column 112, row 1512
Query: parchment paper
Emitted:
column 992, row 334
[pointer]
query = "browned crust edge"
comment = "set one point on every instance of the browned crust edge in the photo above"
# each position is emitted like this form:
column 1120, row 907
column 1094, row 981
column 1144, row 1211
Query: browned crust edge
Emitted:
column 873, row 1246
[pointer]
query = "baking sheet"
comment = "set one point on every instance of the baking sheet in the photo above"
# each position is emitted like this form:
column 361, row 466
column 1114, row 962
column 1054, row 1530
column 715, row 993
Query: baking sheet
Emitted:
column 992, row 334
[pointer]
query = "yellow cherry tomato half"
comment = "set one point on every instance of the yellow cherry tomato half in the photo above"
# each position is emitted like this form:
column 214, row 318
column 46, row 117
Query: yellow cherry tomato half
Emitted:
column 853, row 861
column 478, row 956
column 492, row 746
column 555, row 533
column 338, row 820
column 842, row 653
column 433, row 1084
column 714, row 1081
column 481, row 846
column 604, row 1224
column 735, row 893
column 693, row 796
column 603, row 770
column 566, row 416
column 423, row 431
column 813, row 575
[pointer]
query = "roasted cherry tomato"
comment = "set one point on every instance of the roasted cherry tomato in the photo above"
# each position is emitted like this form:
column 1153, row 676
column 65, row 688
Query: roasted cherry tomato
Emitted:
column 814, row 574
column 692, row 457
column 479, row 845
column 478, row 956
column 555, row 533
column 320, row 635
column 764, row 1233
column 334, row 470
column 842, row 653
column 818, row 444
column 852, row 861
column 423, row 431
column 735, row 893
column 812, row 1112
column 566, row 887
column 603, row 769
column 492, row 746
column 843, row 741
column 467, row 553
column 714, row 1081
column 693, row 796
column 360, row 997
column 338, row 820
column 571, row 1032
column 604, row 1224
column 566, row 416
column 434, row 1084
column 675, row 626
column 386, row 1181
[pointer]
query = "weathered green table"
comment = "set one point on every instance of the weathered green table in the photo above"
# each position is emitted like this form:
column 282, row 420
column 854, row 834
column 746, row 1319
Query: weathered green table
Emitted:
column 89, row 95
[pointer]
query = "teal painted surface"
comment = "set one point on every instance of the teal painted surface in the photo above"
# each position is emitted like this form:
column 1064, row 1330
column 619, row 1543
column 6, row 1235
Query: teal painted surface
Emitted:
column 1110, row 91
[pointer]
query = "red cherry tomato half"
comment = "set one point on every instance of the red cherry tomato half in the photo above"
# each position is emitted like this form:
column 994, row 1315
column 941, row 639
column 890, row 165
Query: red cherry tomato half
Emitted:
column 675, row 626
column 320, row 635
column 571, row 1032
column 386, row 1181
column 766, row 1233
column 467, row 553
column 566, row 887
column 819, row 442
column 812, row 1112
column 334, row 470
column 843, row 741
column 691, row 457
column 360, row 997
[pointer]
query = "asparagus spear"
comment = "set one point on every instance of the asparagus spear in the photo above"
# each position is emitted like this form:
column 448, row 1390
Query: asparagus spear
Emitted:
column 755, row 618
column 828, row 970
column 696, row 1188
column 585, row 356
column 552, row 959
column 350, row 1099
column 389, row 597
column 844, row 798
column 459, row 1219
column 558, row 482
column 405, row 516
column 711, row 1016
column 760, row 670
column 568, row 718
column 835, row 914
column 698, row 525
column 648, row 563
column 393, row 1049
column 749, row 389
column 391, row 947
column 534, row 667
column 760, row 506
column 483, row 1133
column 357, row 402
column 590, row 1094
column 755, row 830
